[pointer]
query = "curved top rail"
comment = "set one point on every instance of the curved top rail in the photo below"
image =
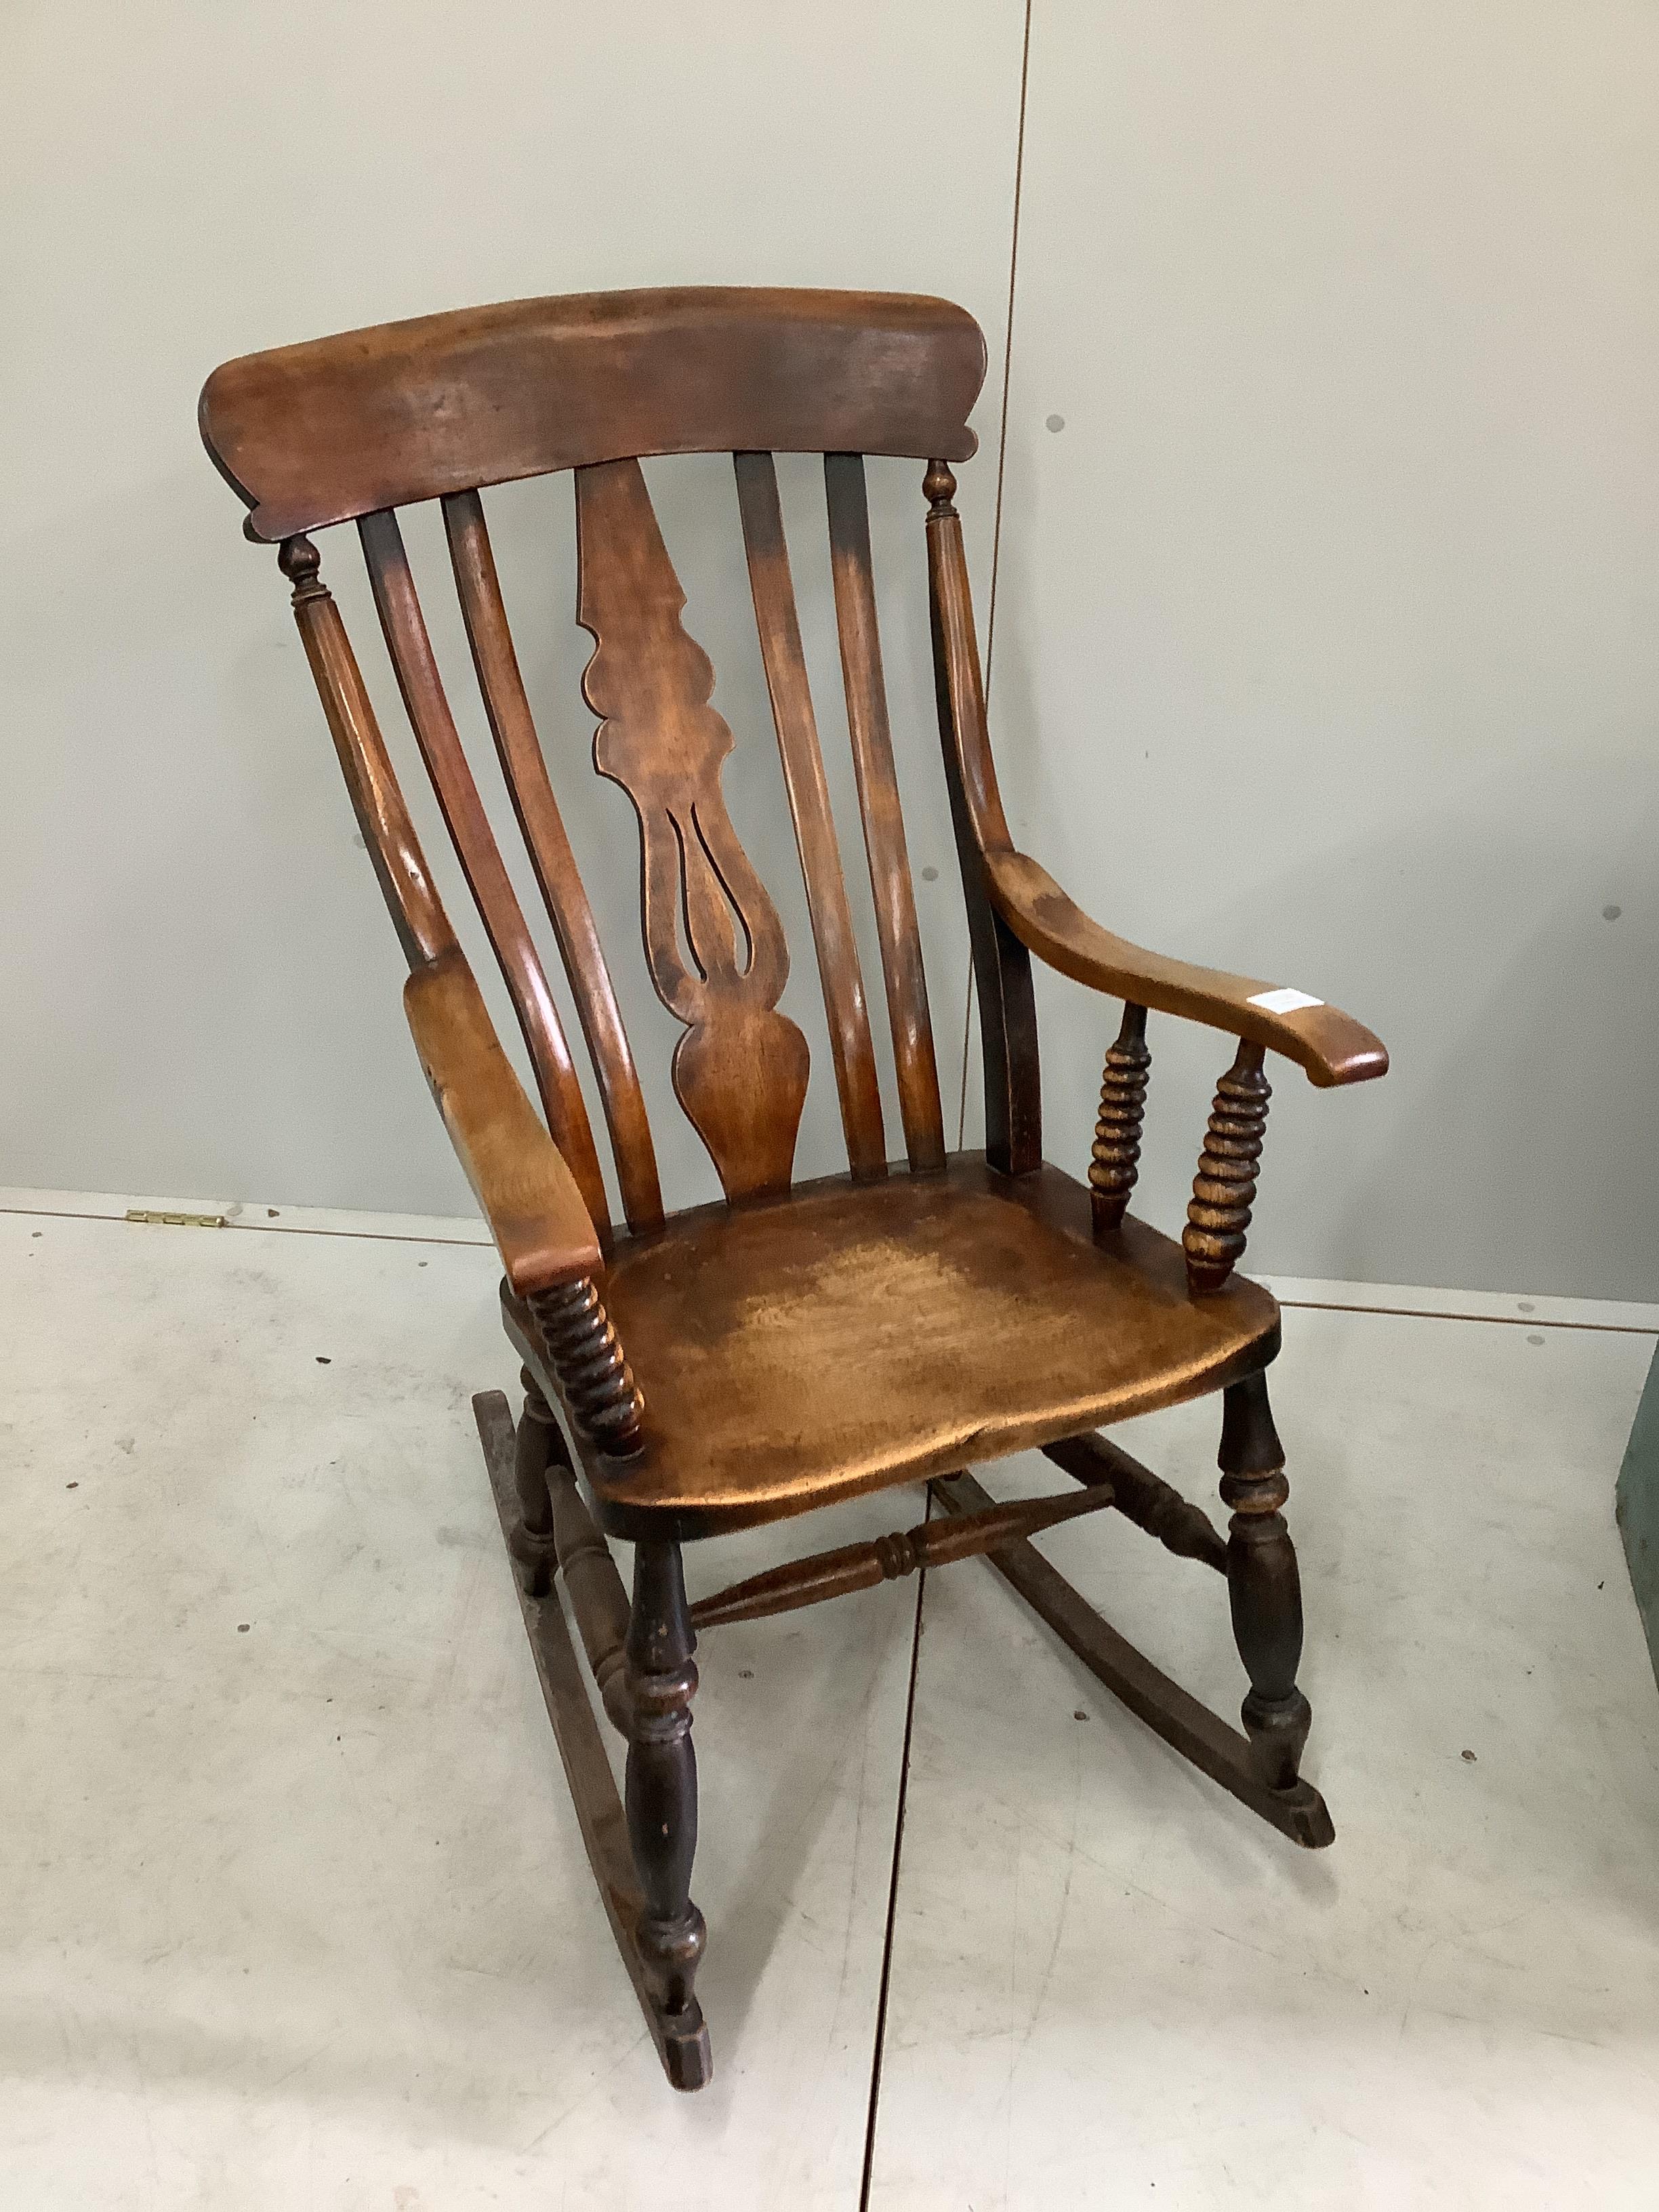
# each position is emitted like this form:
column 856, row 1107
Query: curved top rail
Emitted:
column 343, row 426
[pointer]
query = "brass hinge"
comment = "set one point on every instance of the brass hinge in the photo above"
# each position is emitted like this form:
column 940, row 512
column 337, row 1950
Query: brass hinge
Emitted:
column 177, row 1220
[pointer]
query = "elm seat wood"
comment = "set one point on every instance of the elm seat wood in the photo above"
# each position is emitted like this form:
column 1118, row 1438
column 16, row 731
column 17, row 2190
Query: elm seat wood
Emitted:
column 690, row 1373
column 848, row 1336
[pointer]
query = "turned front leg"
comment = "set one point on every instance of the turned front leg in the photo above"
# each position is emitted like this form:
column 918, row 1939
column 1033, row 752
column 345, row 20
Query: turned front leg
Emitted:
column 1263, row 1583
column 662, row 1772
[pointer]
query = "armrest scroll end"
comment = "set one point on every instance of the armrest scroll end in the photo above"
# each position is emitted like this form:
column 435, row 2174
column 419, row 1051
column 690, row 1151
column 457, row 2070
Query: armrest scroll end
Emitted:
column 1332, row 1048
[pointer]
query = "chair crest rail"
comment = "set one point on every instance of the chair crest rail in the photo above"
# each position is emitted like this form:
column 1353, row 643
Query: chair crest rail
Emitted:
column 341, row 427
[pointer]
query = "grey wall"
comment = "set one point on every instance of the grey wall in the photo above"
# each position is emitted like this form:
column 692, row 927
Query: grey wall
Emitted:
column 1328, row 629
column 1324, row 638
column 200, row 993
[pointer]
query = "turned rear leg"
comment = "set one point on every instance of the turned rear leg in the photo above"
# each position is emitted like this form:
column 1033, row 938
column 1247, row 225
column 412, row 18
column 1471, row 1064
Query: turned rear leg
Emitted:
column 538, row 1446
column 1262, row 1583
column 662, row 1773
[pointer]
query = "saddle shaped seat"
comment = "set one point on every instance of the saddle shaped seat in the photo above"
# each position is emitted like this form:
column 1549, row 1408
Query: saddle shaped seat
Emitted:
column 843, row 1336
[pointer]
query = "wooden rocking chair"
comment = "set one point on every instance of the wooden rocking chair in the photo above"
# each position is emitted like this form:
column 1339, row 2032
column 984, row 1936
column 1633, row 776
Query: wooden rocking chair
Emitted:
column 702, row 1360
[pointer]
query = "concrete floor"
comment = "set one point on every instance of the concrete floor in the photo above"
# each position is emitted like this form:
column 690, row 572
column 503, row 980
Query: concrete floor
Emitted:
column 294, row 1912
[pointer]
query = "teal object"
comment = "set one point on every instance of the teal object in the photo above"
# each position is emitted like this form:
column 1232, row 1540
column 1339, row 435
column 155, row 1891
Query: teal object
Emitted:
column 1637, row 1509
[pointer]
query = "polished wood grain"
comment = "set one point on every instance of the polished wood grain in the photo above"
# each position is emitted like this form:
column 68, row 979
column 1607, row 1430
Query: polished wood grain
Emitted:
column 859, row 629
column 417, row 912
column 1002, row 965
column 785, row 664
column 1115, row 1156
column 341, row 427
column 428, row 706
column 536, row 1211
column 1331, row 1047
column 1224, row 1189
column 845, row 1336
column 661, row 1791
column 1263, row 1584
column 740, row 1070
column 524, row 767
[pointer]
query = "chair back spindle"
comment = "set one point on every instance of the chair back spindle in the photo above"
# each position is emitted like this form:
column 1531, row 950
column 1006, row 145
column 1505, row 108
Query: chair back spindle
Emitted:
column 404, row 626
column 524, row 768
column 417, row 911
column 884, row 815
column 786, row 684
column 1002, row 966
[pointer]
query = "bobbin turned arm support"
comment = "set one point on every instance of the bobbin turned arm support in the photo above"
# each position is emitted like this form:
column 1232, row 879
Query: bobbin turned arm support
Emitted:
column 542, row 1229
column 1029, row 907
column 1330, row 1045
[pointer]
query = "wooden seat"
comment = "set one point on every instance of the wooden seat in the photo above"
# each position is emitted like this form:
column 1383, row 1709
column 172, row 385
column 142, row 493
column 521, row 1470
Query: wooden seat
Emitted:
column 737, row 1363
column 848, row 1336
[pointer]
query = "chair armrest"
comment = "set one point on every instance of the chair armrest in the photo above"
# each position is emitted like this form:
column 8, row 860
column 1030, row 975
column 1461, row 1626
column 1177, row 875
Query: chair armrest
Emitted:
column 1331, row 1047
column 537, row 1216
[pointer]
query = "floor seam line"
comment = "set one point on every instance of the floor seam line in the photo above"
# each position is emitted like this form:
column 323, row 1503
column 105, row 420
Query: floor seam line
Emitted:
column 260, row 1228
column 880, row 2038
column 1490, row 1321
column 481, row 1244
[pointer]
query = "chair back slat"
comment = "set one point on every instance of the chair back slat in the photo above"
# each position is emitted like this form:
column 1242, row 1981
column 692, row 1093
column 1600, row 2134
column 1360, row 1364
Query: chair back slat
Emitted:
column 524, row 768
column 740, row 1070
column 884, row 815
column 786, row 684
column 411, row 648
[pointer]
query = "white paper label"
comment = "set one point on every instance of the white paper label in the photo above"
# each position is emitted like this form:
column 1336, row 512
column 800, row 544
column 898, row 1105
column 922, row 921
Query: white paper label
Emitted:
column 1283, row 1002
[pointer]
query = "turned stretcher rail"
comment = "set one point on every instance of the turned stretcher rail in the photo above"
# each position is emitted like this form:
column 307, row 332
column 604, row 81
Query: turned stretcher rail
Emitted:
column 860, row 1566
column 1142, row 1496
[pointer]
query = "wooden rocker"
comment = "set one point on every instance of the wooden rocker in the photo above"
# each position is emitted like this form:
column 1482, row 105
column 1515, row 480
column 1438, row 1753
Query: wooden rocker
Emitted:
column 711, row 1368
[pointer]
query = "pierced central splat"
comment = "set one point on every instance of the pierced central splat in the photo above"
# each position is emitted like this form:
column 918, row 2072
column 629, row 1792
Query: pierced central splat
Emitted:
column 713, row 940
